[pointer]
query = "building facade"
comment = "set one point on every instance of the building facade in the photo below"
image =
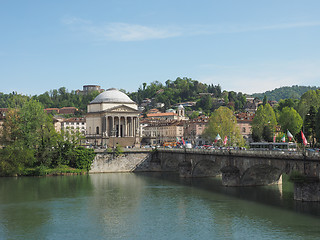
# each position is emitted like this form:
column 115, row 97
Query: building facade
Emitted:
column 112, row 118
column 194, row 130
column 159, row 132
column 73, row 125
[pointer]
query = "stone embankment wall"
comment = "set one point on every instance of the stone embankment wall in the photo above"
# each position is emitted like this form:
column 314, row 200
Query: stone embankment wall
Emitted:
column 130, row 161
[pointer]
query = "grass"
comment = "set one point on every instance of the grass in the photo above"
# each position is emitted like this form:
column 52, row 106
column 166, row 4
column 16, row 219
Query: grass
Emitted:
column 44, row 171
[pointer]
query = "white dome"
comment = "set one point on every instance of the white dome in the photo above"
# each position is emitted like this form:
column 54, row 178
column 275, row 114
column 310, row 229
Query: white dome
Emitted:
column 112, row 95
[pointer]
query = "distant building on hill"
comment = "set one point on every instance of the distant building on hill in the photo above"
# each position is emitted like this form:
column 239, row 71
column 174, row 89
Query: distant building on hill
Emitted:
column 52, row 110
column 90, row 88
column 68, row 110
column 64, row 110
column 170, row 114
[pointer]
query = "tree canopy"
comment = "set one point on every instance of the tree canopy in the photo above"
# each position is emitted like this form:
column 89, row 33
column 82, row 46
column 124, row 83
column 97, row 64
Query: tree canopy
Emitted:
column 224, row 123
column 290, row 119
column 264, row 123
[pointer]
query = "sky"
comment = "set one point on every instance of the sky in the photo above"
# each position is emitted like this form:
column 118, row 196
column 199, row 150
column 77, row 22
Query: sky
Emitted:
column 247, row 46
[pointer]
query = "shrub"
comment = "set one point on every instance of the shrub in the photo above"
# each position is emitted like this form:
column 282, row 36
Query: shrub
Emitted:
column 82, row 158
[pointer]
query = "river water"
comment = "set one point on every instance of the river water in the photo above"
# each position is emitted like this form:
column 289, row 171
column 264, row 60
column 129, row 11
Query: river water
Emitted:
column 150, row 206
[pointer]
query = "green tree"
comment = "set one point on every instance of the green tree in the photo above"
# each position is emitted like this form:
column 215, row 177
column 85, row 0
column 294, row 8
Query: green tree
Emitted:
column 15, row 158
column 224, row 123
column 265, row 100
column 308, row 99
column 82, row 158
column 317, row 126
column 310, row 124
column 290, row 119
column 264, row 123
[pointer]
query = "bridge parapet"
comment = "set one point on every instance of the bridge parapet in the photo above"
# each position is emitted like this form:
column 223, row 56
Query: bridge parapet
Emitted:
column 247, row 153
column 247, row 168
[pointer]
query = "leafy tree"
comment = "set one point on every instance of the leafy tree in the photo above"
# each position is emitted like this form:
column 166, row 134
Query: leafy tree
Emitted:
column 308, row 99
column 264, row 118
column 265, row 100
column 82, row 158
column 317, row 126
column 205, row 103
column 287, row 103
column 310, row 124
column 290, row 119
column 223, row 122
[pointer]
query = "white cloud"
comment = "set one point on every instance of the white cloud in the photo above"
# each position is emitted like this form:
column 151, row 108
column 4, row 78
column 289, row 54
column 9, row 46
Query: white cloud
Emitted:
column 134, row 32
column 74, row 21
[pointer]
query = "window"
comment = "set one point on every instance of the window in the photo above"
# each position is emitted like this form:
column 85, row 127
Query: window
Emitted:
column 244, row 129
column 97, row 130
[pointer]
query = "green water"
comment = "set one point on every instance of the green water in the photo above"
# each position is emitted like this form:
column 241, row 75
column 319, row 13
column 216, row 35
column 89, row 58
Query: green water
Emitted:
column 150, row 206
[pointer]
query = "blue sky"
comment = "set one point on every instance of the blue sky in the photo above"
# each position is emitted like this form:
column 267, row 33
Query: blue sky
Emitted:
column 244, row 45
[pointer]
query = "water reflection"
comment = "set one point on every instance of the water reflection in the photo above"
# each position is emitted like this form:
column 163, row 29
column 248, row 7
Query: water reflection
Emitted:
column 144, row 206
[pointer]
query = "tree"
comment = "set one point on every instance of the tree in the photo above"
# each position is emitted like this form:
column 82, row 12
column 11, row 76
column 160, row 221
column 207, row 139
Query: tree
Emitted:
column 265, row 100
column 286, row 103
column 290, row 119
column 224, row 123
column 310, row 124
column 317, row 126
column 264, row 123
column 308, row 99
column 205, row 103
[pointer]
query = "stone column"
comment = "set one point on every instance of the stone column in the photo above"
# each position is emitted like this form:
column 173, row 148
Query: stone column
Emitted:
column 133, row 126
column 119, row 127
column 125, row 127
column 107, row 126
column 113, row 126
column 130, row 127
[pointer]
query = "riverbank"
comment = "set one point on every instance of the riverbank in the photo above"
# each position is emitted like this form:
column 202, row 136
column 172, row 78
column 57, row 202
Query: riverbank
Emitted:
column 62, row 170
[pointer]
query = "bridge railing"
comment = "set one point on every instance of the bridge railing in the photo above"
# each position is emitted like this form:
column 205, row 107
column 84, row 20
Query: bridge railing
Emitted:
column 247, row 153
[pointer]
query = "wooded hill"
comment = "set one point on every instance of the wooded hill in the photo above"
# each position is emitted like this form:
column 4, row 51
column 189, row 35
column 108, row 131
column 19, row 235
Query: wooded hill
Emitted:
column 208, row 97
column 293, row 92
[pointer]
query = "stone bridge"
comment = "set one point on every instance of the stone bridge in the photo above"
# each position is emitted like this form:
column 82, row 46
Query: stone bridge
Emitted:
column 247, row 168
column 237, row 168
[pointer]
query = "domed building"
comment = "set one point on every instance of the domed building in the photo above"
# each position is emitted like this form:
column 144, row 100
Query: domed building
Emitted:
column 112, row 118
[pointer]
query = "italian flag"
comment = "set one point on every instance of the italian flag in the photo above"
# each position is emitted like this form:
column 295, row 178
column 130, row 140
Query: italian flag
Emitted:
column 290, row 136
column 283, row 139
column 217, row 138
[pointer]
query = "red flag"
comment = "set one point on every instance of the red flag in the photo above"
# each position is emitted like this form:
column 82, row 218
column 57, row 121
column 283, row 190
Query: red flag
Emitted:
column 274, row 138
column 225, row 140
column 304, row 139
column 183, row 142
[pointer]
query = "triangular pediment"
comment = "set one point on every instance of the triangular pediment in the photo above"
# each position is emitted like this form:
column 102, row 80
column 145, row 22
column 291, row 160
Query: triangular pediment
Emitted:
column 122, row 109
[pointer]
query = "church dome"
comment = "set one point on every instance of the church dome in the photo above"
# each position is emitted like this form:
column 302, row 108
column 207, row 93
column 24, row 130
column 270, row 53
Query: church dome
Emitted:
column 112, row 95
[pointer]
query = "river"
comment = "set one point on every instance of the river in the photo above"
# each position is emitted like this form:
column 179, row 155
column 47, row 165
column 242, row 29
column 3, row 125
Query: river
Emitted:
column 150, row 206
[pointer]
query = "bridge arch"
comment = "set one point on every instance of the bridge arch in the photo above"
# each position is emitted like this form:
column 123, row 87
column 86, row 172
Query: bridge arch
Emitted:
column 206, row 168
column 260, row 174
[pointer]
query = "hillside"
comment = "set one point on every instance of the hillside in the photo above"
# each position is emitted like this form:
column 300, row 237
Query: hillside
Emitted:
column 294, row 92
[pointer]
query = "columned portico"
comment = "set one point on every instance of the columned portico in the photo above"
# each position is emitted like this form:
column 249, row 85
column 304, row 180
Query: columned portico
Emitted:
column 118, row 122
